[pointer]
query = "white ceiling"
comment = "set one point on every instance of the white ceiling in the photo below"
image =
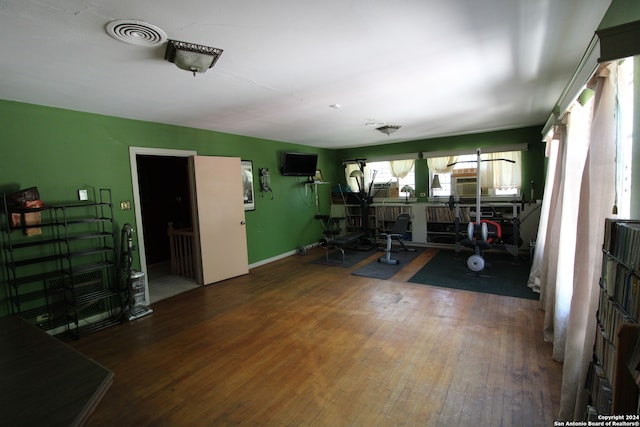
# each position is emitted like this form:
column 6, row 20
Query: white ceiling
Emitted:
column 433, row 67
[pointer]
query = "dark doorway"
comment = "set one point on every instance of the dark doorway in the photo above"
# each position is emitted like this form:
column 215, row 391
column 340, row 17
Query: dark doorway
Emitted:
column 164, row 198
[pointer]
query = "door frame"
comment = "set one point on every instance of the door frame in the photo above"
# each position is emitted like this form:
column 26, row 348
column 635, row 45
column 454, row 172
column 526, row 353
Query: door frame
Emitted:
column 137, row 207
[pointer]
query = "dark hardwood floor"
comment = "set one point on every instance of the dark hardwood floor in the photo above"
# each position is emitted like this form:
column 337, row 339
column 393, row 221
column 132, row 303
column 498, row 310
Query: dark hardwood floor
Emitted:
column 299, row 344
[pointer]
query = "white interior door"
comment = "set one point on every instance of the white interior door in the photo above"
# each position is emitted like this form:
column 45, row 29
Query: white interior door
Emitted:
column 219, row 221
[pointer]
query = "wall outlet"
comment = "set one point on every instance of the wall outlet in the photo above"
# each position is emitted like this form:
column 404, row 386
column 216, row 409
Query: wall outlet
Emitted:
column 83, row 195
column 423, row 194
column 125, row 206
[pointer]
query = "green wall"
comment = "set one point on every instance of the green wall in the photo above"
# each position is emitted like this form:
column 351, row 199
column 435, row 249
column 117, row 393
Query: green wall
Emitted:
column 533, row 166
column 61, row 151
column 620, row 12
column 623, row 12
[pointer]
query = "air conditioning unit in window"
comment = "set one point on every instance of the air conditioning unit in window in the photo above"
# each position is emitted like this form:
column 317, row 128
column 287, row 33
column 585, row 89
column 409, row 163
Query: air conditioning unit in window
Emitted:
column 465, row 186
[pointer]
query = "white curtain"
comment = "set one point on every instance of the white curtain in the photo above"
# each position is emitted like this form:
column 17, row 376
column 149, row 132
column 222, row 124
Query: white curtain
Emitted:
column 498, row 173
column 579, row 198
column 549, row 261
column 439, row 164
column 559, row 280
column 401, row 168
column 551, row 152
column 597, row 197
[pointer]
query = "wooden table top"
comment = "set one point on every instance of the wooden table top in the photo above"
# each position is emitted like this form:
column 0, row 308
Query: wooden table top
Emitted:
column 43, row 381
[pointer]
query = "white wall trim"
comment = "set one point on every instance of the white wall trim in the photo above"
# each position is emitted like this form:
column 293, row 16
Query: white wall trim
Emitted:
column 463, row 151
column 585, row 70
column 133, row 152
column 405, row 156
column 272, row 259
column 429, row 154
column 283, row 255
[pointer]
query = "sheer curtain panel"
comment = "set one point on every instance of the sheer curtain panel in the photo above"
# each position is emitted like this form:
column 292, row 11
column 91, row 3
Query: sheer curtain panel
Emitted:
column 401, row 168
column 498, row 173
column 567, row 264
column 597, row 197
column 439, row 164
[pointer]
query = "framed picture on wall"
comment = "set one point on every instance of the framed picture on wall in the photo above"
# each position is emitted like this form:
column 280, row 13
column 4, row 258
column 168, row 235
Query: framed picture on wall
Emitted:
column 248, row 194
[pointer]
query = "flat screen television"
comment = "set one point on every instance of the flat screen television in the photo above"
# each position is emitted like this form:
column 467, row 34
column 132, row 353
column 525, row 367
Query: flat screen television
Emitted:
column 299, row 164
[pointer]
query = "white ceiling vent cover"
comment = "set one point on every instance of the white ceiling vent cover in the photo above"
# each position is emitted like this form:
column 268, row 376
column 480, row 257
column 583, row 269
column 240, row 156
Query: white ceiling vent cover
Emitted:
column 136, row 32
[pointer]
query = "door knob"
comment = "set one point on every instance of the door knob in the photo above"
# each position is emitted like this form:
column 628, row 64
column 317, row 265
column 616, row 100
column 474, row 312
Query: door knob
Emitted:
column 242, row 223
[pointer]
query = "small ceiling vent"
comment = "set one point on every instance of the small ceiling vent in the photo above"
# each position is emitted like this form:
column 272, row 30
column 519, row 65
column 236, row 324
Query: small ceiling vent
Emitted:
column 136, row 32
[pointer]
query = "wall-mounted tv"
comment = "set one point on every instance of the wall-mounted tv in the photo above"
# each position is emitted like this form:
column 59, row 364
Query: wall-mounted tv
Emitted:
column 299, row 164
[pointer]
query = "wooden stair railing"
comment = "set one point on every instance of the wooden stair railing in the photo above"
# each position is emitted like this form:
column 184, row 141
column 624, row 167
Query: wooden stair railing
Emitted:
column 181, row 243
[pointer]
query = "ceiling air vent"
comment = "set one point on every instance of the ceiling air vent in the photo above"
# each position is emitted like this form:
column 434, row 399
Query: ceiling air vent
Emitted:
column 136, row 32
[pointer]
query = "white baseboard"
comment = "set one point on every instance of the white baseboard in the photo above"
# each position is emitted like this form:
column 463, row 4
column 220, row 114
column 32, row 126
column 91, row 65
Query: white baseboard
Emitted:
column 272, row 259
column 279, row 257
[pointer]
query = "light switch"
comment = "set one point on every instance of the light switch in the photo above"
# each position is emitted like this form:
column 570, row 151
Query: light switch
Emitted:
column 125, row 206
column 82, row 195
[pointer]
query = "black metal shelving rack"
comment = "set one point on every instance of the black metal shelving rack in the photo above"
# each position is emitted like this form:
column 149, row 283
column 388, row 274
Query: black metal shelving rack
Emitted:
column 66, row 276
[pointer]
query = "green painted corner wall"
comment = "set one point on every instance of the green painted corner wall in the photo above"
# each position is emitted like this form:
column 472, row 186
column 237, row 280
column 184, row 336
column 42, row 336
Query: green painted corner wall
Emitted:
column 620, row 12
column 61, row 151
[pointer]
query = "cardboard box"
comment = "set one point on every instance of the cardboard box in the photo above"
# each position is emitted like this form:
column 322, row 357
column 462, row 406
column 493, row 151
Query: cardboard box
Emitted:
column 27, row 219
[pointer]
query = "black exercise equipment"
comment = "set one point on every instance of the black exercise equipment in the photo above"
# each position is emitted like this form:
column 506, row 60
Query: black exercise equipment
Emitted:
column 478, row 231
column 364, row 198
column 340, row 242
column 397, row 233
column 479, row 239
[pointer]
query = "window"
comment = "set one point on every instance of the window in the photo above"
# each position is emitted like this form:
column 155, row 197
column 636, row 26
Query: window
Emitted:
column 624, row 114
column 387, row 173
column 500, row 174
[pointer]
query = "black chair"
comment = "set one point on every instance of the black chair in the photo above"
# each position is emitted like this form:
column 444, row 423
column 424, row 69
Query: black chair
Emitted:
column 397, row 233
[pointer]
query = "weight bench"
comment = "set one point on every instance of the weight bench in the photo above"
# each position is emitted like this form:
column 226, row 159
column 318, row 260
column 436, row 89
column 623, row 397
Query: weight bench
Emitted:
column 339, row 242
